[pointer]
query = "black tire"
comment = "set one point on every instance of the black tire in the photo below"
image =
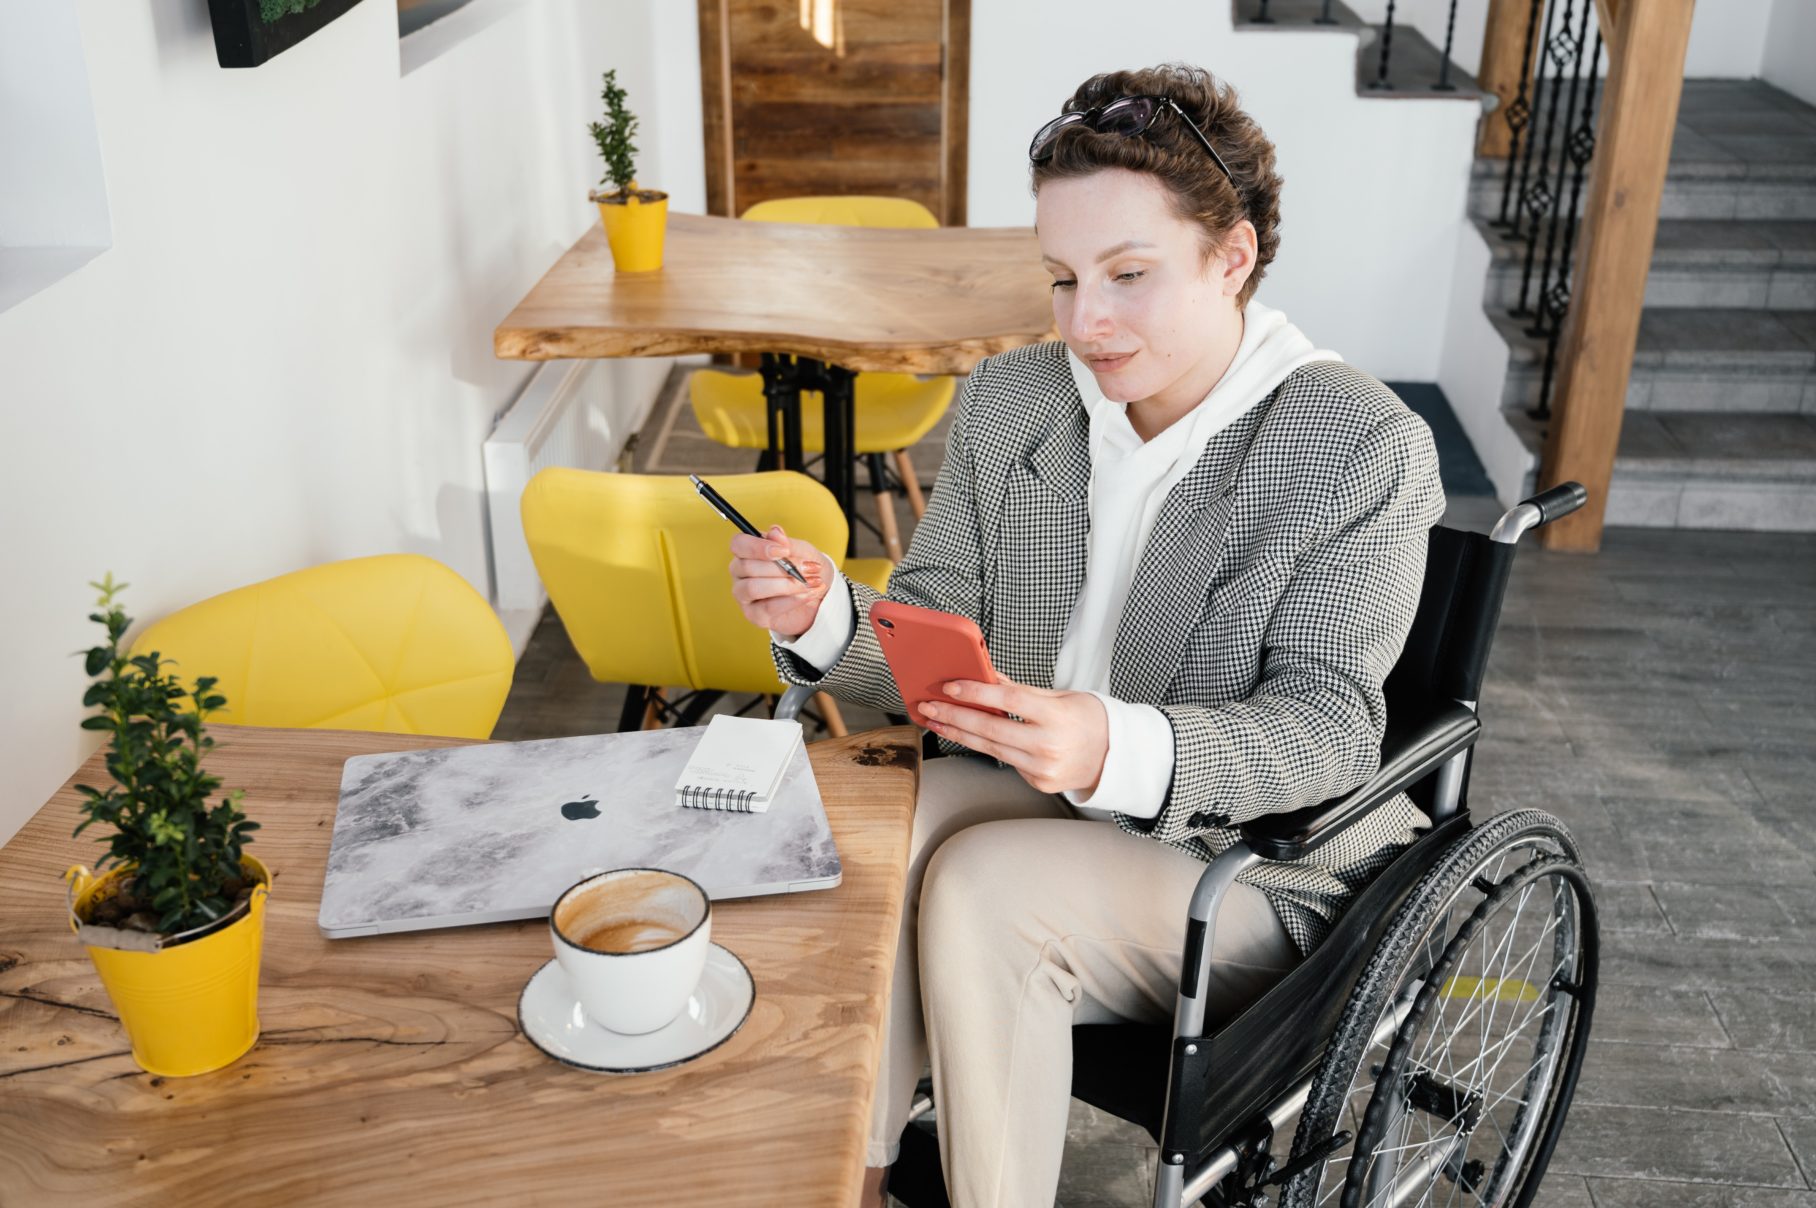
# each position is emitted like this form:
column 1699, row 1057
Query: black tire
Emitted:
column 1380, row 1076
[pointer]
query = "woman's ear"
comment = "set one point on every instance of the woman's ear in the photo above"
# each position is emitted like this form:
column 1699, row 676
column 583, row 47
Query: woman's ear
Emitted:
column 1236, row 258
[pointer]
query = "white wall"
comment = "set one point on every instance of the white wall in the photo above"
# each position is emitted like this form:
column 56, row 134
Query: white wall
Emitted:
column 1374, row 191
column 285, row 357
column 1789, row 62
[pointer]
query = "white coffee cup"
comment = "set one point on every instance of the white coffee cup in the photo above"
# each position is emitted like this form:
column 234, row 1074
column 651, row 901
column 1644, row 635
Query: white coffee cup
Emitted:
column 633, row 944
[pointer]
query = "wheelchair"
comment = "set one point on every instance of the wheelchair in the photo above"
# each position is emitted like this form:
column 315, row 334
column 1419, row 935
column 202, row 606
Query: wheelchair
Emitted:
column 1429, row 1047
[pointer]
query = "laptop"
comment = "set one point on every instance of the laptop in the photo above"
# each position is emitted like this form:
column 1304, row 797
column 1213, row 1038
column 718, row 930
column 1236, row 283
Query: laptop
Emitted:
column 483, row 834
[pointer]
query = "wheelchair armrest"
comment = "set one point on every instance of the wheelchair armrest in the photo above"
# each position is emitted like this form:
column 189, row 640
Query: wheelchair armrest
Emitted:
column 1407, row 754
column 794, row 699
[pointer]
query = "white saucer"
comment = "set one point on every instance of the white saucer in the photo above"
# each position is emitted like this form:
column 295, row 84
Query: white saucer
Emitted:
column 553, row 1020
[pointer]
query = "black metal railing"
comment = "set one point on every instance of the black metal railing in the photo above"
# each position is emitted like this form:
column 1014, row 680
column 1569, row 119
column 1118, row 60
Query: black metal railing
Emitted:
column 1542, row 192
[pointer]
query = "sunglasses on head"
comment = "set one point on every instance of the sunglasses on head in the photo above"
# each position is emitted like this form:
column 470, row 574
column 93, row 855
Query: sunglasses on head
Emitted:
column 1127, row 116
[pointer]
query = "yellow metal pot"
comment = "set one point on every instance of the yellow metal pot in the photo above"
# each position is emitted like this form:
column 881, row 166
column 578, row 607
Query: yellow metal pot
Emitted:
column 634, row 229
column 191, row 1006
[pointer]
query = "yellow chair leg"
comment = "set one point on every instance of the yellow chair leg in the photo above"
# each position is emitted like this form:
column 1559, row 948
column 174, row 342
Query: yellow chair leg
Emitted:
column 829, row 710
column 652, row 712
column 911, row 485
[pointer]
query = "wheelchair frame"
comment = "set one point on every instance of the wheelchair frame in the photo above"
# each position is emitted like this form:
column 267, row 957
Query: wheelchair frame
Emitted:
column 1436, row 750
column 1449, row 740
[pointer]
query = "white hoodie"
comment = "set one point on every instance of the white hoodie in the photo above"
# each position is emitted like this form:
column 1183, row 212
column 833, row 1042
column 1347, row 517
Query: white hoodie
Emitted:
column 1130, row 479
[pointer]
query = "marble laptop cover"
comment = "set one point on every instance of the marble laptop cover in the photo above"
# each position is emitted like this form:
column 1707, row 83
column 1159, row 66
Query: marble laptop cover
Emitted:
column 481, row 834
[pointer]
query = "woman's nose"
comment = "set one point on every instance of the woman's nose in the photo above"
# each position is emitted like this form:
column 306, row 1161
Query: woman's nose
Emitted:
column 1090, row 317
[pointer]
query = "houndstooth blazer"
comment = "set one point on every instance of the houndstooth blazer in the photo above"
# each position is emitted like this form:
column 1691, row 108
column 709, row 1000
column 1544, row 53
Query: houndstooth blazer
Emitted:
column 1271, row 600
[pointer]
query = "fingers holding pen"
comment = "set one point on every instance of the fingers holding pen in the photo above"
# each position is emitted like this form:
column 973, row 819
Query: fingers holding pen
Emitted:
column 766, row 568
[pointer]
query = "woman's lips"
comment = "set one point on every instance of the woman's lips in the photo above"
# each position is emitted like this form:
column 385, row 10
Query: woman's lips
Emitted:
column 1108, row 364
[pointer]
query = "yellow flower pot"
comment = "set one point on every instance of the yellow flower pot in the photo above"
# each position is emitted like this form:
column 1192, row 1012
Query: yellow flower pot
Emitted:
column 191, row 1006
column 634, row 228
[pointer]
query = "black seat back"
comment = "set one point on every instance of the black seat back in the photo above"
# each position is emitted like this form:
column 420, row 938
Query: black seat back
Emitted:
column 1447, row 648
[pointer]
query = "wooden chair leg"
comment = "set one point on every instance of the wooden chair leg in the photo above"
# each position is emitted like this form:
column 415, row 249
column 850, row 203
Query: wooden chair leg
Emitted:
column 911, row 485
column 652, row 714
column 829, row 709
column 885, row 508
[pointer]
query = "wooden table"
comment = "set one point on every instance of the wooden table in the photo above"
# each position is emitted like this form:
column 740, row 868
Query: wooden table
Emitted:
column 391, row 1069
column 846, row 298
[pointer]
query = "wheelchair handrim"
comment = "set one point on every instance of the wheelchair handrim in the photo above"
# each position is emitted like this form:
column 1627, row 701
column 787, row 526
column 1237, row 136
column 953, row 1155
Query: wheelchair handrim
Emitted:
column 1346, row 1080
column 1468, row 1090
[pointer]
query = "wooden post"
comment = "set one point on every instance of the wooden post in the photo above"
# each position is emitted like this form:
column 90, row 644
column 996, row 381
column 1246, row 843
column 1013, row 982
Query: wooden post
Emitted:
column 715, row 106
column 1620, row 219
column 1506, row 60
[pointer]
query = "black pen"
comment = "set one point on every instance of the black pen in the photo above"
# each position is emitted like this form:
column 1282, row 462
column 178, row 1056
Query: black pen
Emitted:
column 732, row 514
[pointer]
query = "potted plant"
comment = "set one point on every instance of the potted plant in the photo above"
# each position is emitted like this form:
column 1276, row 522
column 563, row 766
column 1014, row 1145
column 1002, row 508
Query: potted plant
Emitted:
column 175, row 926
column 635, row 219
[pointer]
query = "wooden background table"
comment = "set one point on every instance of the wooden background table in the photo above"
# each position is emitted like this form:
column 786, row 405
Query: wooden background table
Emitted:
column 866, row 298
column 391, row 1069
column 850, row 298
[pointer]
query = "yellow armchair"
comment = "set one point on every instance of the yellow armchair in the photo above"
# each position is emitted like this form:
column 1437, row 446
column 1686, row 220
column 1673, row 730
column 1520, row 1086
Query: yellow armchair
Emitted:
column 636, row 566
column 396, row 643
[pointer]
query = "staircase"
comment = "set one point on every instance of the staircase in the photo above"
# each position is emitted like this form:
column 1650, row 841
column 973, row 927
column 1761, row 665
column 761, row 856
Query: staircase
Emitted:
column 1720, row 427
column 1720, row 424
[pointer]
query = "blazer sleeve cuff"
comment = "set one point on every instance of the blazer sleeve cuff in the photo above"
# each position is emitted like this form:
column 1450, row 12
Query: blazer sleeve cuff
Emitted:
column 1138, row 768
column 827, row 639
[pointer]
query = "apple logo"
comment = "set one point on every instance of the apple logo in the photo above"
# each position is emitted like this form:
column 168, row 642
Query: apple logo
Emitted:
column 586, row 807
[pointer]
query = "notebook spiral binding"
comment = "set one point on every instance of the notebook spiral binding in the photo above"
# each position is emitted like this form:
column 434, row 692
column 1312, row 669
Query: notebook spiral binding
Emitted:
column 703, row 798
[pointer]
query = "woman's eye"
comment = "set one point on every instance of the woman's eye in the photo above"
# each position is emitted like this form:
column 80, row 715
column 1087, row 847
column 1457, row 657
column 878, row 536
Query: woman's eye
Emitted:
column 1064, row 284
column 1131, row 275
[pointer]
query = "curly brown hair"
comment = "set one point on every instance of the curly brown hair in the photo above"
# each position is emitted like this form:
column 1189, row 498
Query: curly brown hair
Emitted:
column 1200, row 193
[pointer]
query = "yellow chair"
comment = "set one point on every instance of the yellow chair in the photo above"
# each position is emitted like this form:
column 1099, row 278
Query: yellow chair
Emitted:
column 396, row 643
column 894, row 410
column 636, row 567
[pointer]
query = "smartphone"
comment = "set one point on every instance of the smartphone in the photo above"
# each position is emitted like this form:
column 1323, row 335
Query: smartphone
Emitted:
column 927, row 649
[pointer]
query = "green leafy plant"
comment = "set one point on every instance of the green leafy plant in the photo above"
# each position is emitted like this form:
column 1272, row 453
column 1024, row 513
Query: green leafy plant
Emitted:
column 185, row 853
column 614, row 137
column 275, row 10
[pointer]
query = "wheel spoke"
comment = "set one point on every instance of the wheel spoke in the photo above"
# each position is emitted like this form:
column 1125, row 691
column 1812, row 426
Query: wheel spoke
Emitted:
column 1475, row 979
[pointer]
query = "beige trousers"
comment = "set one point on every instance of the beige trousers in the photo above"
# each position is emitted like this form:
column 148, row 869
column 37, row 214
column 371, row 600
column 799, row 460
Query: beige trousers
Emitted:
column 1022, row 919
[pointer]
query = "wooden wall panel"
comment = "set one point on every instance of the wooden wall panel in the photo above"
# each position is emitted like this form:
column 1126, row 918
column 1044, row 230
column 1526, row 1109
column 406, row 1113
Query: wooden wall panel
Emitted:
column 882, row 110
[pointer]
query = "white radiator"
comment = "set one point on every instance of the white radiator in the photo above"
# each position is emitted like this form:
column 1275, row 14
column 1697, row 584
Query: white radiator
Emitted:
column 562, row 418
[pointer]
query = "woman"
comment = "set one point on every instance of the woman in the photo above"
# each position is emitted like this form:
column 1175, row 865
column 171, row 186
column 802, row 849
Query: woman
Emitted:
column 1194, row 545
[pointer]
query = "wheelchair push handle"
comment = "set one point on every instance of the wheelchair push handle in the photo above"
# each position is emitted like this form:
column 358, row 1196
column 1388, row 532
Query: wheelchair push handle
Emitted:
column 1559, row 501
column 1543, row 508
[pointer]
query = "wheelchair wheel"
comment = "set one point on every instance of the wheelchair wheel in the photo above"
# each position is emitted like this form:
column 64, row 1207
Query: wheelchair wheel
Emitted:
column 1453, row 1065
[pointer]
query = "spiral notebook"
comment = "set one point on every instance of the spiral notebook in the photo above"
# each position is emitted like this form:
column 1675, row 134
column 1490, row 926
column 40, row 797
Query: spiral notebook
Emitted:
column 738, row 764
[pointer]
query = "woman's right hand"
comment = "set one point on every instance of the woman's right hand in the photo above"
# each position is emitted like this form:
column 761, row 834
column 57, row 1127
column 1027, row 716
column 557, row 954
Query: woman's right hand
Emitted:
column 764, row 591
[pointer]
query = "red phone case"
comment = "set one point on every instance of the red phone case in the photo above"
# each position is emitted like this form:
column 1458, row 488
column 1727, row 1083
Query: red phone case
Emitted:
column 926, row 649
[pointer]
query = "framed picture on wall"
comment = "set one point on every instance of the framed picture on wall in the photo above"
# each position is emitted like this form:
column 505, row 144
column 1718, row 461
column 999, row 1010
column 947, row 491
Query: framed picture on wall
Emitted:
column 248, row 32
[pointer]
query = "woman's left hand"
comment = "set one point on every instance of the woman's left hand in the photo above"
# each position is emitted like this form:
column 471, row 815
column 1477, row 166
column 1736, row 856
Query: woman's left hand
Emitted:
column 1059, row 744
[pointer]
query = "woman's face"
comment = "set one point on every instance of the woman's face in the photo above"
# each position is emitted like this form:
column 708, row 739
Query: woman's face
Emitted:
column 1133, row 295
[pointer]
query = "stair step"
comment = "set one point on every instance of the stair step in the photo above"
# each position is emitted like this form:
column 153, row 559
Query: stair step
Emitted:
column 1696, row 262
column 1693, row 359
column 1741, row 149
column 1295, row 14
column 1710, row 470
column 1772, row 192
column 1413, row 62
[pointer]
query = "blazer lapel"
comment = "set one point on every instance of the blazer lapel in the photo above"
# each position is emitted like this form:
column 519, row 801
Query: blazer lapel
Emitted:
column 1041, row 558
column 1167, row 598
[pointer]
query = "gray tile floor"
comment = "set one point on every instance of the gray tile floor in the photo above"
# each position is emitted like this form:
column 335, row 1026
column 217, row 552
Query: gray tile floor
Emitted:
column 1660, row 697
